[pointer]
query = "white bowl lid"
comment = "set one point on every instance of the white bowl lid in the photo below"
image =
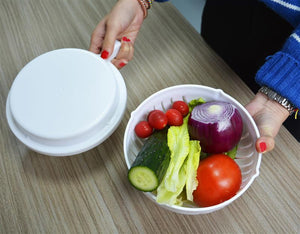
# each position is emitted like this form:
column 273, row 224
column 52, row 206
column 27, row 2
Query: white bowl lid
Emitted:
column 65, row 102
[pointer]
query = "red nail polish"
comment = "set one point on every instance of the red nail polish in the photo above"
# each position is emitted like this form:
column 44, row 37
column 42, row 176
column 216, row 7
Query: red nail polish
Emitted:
column 122, row 64
column 262, row 146
column 125, row 39
column 104, row 54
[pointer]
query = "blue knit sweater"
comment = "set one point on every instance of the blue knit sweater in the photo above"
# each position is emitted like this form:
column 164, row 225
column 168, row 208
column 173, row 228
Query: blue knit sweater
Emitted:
column 281, row 71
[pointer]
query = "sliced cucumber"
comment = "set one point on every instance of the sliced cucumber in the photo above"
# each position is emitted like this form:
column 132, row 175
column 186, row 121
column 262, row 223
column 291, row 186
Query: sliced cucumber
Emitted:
column 151, row 163
column 143, row 178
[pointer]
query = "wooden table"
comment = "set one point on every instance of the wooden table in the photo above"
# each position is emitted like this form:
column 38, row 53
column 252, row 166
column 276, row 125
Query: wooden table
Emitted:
column 89, row 193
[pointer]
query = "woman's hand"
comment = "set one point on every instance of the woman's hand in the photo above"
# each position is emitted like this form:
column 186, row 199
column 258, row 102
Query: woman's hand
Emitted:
column 122, row 23
column 269, row 116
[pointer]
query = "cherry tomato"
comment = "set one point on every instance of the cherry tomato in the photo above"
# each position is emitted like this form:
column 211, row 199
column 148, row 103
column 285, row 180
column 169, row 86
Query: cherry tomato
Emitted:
column 182, row 107
column 151, row 113
column 157, row 119
column 143, row 129
column 174, row 117
column 219, row 178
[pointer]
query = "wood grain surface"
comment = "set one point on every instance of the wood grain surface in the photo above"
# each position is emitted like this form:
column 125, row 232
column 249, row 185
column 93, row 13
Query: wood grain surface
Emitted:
column 89, row 193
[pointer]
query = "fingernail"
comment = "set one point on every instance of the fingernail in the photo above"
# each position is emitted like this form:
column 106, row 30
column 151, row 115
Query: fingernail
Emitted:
column 104, row 54
column 262, row 146
column 122, row 64
column 125, row 39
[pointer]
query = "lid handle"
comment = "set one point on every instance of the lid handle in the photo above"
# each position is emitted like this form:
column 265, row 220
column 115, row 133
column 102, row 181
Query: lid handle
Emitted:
column 116, row 50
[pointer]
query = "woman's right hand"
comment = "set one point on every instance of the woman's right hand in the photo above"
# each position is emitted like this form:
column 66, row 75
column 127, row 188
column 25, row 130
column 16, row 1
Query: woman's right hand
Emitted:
column 122, row 23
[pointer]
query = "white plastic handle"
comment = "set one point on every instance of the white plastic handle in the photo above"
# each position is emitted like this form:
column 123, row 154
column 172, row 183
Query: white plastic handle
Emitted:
column 116, row 50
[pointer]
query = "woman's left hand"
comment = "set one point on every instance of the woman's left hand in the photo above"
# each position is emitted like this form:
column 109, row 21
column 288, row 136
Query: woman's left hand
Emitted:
column 122, row 23
column 269, row 116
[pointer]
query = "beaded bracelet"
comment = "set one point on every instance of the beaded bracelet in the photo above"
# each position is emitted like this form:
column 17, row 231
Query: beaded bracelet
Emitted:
column 144, row 6
column 149, row 3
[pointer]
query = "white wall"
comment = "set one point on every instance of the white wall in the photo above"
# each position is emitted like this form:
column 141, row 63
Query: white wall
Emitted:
column 191, row 10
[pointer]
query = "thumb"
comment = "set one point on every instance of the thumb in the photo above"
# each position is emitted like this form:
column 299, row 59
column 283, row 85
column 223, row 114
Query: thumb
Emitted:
column 268, row 128
column 264, row 144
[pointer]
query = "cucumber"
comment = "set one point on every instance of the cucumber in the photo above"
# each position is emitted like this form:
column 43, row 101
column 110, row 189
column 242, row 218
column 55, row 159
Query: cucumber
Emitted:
column 151, row 163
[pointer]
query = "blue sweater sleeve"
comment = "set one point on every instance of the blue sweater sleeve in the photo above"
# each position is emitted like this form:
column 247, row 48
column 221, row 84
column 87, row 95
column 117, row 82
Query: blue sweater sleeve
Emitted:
column 287, row 9
column 281, row 71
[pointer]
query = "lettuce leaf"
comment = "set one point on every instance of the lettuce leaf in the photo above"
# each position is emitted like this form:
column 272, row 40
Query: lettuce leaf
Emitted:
column 172, row 198
column 178, row 142
column 195, row 102
column 232, row 153
column 191, row 168
column 182, row 169
column 175, row 178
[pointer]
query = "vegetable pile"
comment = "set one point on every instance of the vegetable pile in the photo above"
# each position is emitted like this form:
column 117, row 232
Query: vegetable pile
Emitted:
column 188, row 153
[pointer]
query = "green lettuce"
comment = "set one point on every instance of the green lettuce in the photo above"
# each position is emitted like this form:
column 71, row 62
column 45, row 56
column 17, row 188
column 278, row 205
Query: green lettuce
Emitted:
column 178, row 142
column 172, row 197
column 182, row 168
column 195, row 102
column 192, row 166
column 232, row 153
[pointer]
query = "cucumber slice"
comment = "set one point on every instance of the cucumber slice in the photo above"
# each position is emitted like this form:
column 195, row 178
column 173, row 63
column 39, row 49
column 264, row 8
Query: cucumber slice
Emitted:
column 143, row 178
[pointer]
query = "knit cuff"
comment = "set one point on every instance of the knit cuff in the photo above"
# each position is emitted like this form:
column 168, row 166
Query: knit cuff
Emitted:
column 281, row 73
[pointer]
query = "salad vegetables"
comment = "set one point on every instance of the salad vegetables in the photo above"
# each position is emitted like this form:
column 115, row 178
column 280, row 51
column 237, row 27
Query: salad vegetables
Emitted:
column 184, row 160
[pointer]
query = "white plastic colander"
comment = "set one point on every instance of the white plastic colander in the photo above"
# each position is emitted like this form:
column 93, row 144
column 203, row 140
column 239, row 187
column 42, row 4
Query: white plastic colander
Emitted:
column 247, row 157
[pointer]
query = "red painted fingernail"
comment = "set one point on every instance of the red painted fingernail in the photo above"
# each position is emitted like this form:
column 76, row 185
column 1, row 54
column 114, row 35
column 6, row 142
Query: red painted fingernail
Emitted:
column 122, row 64
column 125, row 39
column 104, row 54
column 262, row 146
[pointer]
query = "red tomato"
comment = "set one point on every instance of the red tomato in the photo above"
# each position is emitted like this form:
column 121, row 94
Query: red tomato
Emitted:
column 219, row 178
column 157, row 119
column 182, row 107
column 174, row 117
column 143, row 129
column 151, row 113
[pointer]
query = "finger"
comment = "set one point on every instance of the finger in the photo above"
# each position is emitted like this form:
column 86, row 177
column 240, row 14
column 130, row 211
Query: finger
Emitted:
column 268, row 129
column 119, row 63
column 265, row 144
column 112, row 31
column 125, row 54
column 126, row 50
column 97, row 37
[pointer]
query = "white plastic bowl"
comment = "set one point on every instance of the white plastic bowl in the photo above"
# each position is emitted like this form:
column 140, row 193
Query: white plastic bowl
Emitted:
column 247, row 157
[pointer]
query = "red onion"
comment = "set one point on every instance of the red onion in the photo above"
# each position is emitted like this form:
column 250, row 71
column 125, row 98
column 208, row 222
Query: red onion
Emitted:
column 217, row 125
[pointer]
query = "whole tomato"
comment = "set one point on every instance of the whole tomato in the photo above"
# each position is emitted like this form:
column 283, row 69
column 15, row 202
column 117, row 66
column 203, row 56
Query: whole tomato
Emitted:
column 174, row 117
column 143, row 129
column 182, row 107
column 219, row 178
column 157, row 119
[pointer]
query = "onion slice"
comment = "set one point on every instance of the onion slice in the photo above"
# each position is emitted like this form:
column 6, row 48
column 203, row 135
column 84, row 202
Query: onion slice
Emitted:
column 217, row 125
